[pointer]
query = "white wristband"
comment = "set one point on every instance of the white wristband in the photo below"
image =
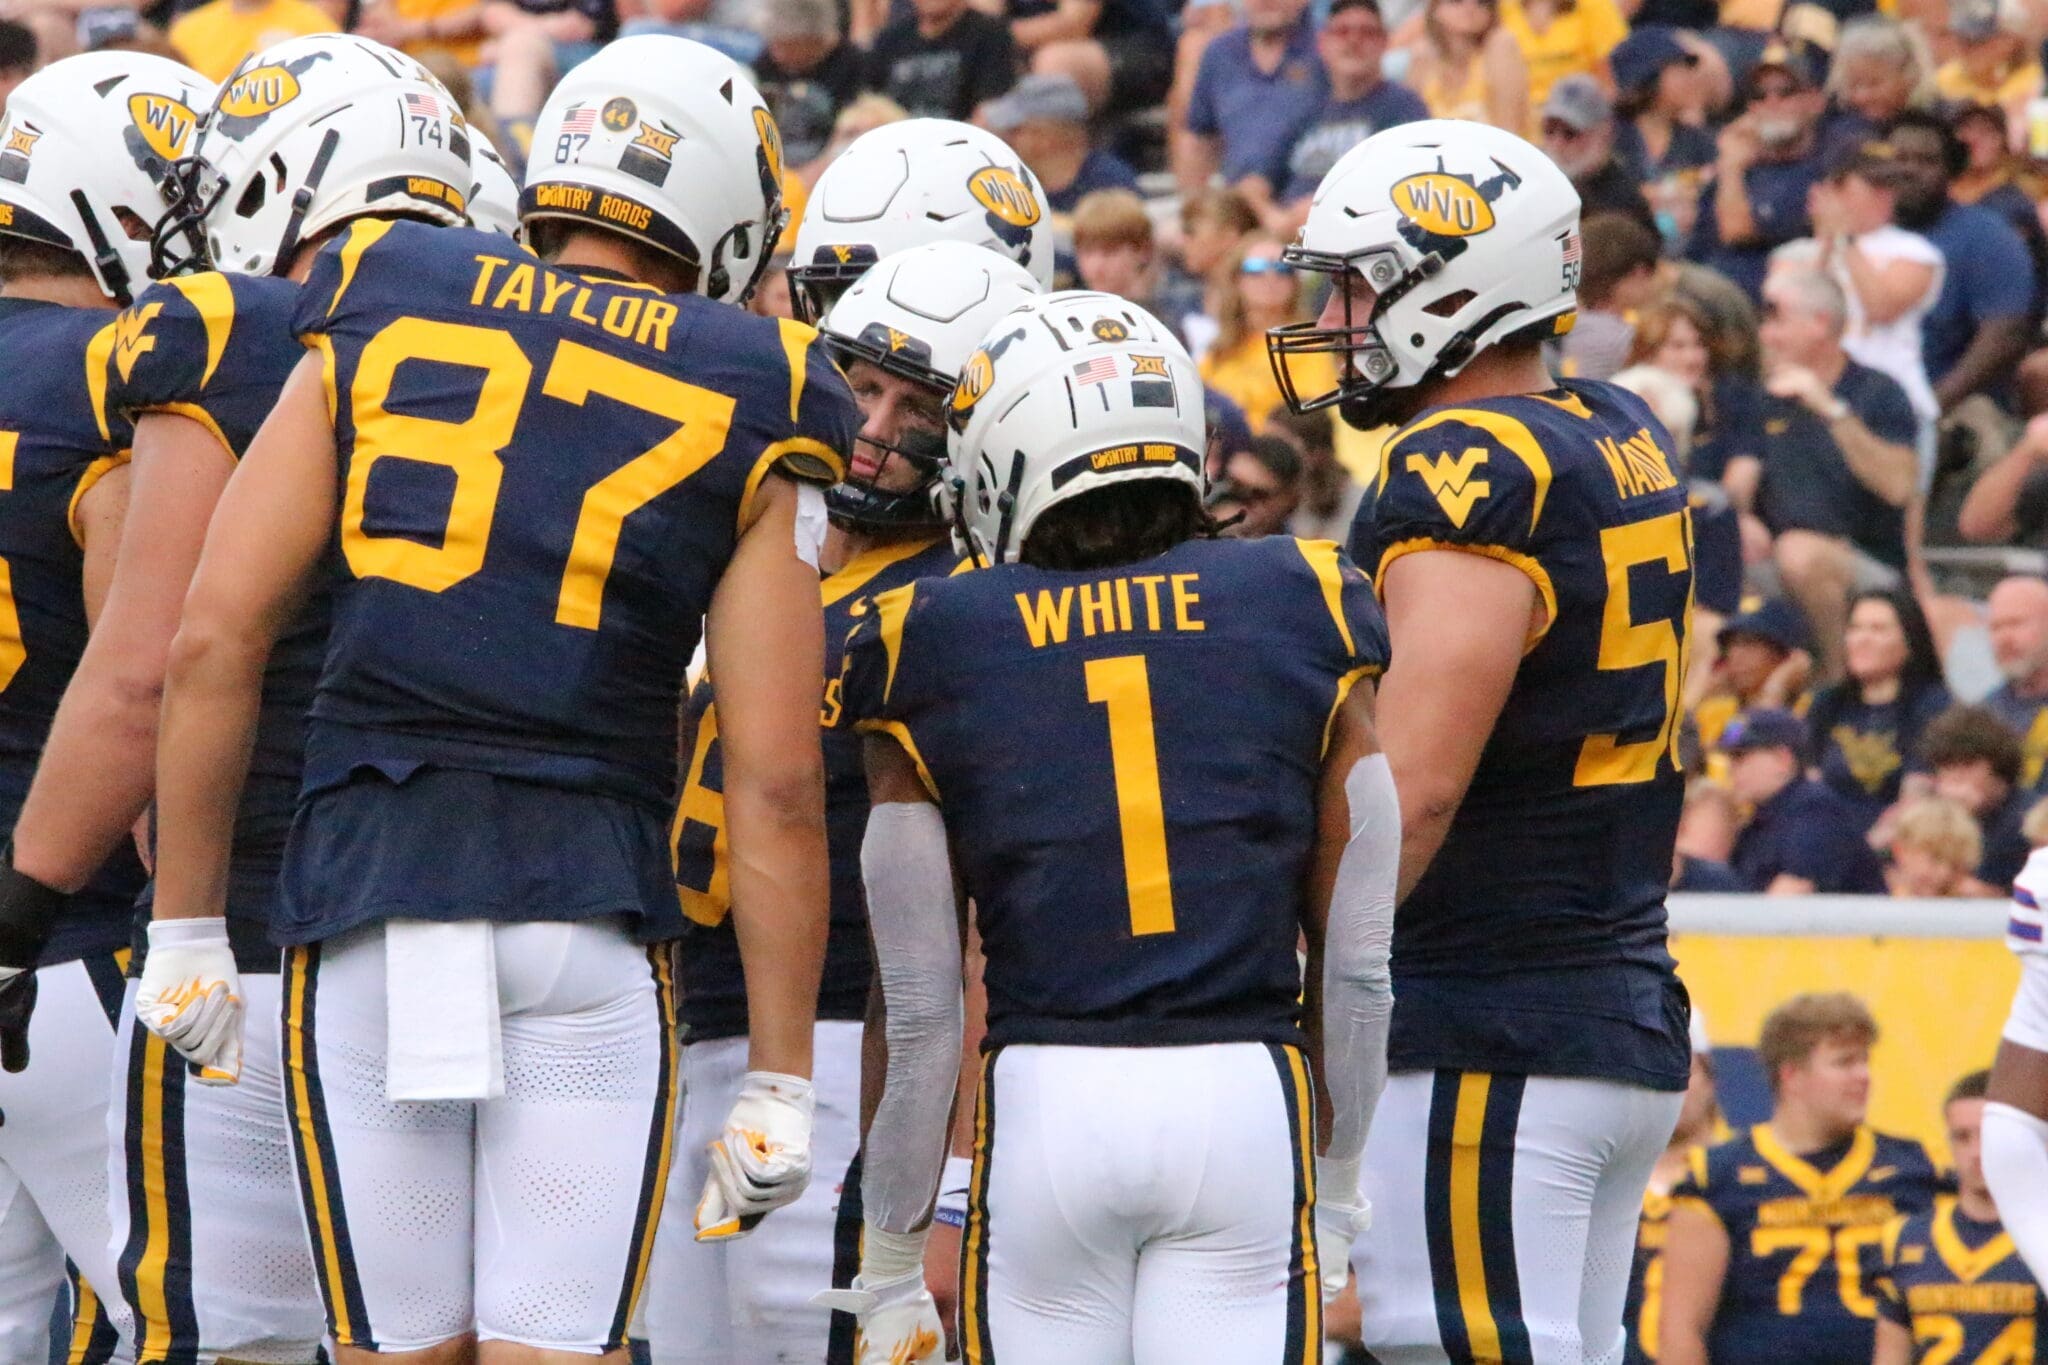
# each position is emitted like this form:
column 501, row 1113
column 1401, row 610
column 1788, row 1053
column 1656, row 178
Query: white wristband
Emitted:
column 186, row 933
column 886, row 1255
column 953, row 1186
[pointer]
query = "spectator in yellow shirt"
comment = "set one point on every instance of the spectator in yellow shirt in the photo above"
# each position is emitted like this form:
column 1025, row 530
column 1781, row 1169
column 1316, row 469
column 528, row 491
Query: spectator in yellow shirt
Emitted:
column 214, row 38
column 1256, row 290
column 1562, row 38
column 1991, row 66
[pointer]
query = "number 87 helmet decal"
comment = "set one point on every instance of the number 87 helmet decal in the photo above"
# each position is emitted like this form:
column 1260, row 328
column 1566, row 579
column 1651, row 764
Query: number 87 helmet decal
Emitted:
column 667, row 142
column 306, row 134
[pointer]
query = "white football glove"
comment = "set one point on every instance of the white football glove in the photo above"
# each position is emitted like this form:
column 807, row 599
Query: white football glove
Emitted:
column 762, row 1159
column 190, row 995
column 1342, row 1213
column 898, row 1324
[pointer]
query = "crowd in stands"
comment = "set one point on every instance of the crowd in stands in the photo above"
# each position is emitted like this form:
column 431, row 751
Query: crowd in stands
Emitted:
column 1813, row 242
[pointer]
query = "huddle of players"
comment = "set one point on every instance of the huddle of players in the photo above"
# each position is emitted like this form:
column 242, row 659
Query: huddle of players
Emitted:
column 418, row 596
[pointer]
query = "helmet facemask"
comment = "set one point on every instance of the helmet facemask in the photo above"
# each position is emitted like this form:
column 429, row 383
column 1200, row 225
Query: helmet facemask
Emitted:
column 859, row 502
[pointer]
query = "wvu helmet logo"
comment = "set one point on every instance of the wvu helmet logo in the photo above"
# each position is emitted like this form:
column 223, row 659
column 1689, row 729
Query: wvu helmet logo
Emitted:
column 662, row 144
column 1003, row 193
column 165, row 124
column 1110, row 329
column 771, row 143
column 975, row 376
column 22, row 140
column 844, row 253
column 258, row 91
column 619, row 114
column 1443, row 204
column 1149, row 364
column 897, row 340
column 1450, row 481
column 132, row 340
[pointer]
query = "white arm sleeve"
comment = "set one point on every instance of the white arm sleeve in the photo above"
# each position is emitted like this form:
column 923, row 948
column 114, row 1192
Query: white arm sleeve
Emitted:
column 1358, row 987
column 909, row 878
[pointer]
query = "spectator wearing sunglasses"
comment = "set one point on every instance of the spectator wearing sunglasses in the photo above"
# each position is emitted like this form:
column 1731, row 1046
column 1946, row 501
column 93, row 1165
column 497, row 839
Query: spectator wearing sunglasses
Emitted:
column 1255, row 290
column 1579, row 133
column 1766, row 164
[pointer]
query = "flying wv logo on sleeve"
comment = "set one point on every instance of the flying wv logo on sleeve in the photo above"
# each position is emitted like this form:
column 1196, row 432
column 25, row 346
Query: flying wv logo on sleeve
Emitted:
column 1450, row 480
column 132, row 340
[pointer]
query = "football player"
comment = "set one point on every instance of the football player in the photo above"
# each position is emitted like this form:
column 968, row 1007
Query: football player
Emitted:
column 1531, row 544
column 1699, row 1121
column 537, row 476
column 911, row 182
column 2016, row 1108
column 213, row 1252
column 1953, row 1285
column 86, row 148
column 1146, row 1159
column 901, row 334
column 1771, row 1252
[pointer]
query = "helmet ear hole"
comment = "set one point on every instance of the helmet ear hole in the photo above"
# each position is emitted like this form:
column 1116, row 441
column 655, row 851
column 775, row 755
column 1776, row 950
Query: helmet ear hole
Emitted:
column 1449, row 305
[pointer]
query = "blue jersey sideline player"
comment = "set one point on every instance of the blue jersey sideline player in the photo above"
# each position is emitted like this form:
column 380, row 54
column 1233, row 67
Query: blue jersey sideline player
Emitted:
column 1146, row 1136
column 528, row 481
column 1772, row 1250
column 1532, row 545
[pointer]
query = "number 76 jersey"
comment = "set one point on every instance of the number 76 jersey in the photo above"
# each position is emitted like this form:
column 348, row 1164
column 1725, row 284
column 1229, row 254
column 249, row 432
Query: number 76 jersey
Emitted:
column 1534, row 943
column 542, row 474
column 1127, row 760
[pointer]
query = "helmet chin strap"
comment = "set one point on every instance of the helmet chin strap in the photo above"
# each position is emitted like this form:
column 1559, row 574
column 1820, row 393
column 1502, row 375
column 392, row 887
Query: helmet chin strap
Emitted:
column 302, row 199
column 112, row 273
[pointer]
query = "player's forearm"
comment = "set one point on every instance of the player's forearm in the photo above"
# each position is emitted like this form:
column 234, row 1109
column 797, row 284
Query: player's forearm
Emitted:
column 212, row 696
column 1682, row 1346
column 781, row 895
column 97, row 771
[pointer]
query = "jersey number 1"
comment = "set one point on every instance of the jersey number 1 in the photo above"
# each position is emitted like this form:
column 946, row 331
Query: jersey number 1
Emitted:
column 1122, row 685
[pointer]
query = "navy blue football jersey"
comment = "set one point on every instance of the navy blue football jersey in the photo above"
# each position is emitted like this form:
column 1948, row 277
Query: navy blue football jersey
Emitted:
column 714, row 1001
column 1643, row 1311
column 217, row 348
column 1127, row 760
column 1804, row 1237
column 54, row 446
column 541, row 478
column 1534, row 943
column 1961, row 1288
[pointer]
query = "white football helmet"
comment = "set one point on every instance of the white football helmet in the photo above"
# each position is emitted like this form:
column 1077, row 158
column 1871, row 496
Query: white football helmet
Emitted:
column 917, row 314
column 494, row 194
column 309, row 133
column 87, row 147
column 1466, row 236
column 665, row 141
column 911, row 182
column 1069, row 393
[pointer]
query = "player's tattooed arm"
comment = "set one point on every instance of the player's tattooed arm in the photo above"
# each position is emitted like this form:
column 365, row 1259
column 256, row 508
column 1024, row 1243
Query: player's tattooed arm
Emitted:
column 98, row 768
column 1458, row 623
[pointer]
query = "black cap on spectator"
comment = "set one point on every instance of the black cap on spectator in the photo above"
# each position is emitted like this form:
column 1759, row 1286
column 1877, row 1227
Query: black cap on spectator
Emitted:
column 1801, row 62
column 1869, row 159
column 17, row 46
column 1764, row 728
column 1642, row 56
column 1774, row 621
